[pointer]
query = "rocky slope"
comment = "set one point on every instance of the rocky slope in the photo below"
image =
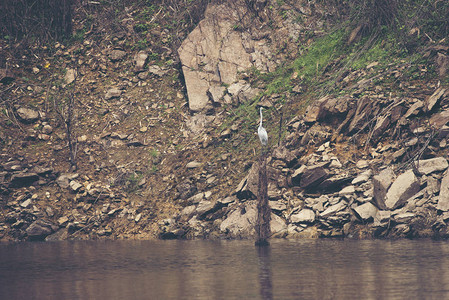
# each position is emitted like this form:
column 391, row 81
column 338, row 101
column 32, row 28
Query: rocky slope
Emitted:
column 168, row 150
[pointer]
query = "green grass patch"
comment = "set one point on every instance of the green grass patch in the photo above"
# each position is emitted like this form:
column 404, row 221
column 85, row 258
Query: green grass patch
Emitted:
column 308, row 66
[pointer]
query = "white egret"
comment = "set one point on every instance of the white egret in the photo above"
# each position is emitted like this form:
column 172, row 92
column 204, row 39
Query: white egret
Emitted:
column 263, row 136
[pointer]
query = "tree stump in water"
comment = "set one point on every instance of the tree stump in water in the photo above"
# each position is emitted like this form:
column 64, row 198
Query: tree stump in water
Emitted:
column 263, row 209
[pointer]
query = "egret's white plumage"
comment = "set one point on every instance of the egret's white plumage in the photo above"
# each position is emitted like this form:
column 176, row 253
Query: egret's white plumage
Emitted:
column 263, row 136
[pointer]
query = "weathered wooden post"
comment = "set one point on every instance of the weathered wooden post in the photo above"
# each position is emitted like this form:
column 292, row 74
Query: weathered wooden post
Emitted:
column 263, row 209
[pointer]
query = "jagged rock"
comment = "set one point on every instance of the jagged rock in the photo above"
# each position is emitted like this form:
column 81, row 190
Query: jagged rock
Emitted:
column 247, row 188
column 186, row 213
column 333, row 209
column 363, row 177
column 413, row 110
column 196, row 198
column 205, row 207
column 366, row 211
column 349, row 190
column 157, row 70
column 140, row 60
column 381, row 183
column 240, row 223
column 23, row 179
column 335, row 183
column 335, row 107
column 404, row 217
column 404, row 187
column 362, row 164
column 39, row 230
column 382, row 217
column 138, row 217
column 317, row 204
column 433, row 185
column 440, row 119
column 27, row 115
column 26, row 203
column 283, row 154
column 315, row 110
column 316, row 134
column 442, row 61
column 313, row 176
column 64, row 180
column 364, row 107
column 296, row 176
column 62, row 221
column 382, row 124
column 443, row 198
column 303, row 216
column 70, row 76
column 75, row 185
column 433, row 99
column 278, row 226
column 428, row 166
column 227, row 200
column 277, row 206
column 193, row 165
column 117, row 54
column 113, row 93
column 12, row 166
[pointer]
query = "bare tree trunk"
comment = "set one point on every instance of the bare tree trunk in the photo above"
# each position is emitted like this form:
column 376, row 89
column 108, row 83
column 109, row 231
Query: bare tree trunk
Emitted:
column 263, row 209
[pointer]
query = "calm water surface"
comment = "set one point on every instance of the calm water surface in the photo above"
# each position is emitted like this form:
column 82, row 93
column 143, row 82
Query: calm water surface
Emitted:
column 306, row 269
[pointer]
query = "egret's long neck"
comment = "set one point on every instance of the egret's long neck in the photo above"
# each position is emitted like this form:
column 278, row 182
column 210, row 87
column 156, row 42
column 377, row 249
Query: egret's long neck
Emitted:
column 260, row 117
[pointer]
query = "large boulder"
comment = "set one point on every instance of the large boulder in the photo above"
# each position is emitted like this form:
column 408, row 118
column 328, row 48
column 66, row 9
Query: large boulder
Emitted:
column 240, row 222
column 313, row 176
column 404, row 187
column 40, row 229
column 215, row 52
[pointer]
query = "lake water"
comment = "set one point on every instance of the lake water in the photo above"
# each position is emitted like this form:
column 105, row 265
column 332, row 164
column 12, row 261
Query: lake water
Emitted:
column 305, row 269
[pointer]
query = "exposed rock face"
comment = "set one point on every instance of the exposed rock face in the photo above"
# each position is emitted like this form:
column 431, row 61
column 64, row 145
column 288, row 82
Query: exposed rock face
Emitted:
column 215, row 51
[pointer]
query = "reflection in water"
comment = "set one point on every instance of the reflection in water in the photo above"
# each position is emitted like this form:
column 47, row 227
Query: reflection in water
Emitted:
column 306, row 269
column 266, row 288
